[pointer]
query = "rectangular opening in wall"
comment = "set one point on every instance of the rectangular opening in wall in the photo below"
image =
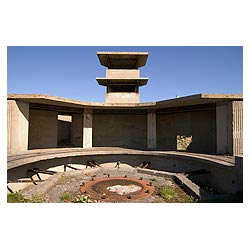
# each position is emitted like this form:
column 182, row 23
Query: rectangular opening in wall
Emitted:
column 183, row 142
column 112, row 88
column 64, row 130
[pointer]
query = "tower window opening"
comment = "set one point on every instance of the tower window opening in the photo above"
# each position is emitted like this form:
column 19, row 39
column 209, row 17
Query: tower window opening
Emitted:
column 122, row 88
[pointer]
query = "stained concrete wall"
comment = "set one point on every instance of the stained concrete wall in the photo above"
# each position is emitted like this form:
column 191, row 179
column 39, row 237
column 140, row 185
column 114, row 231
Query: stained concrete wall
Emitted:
column 43, row 129
column 76, row 130
column 224, row 128
column 122, row 97
column 17, row 126
column 201, row 125
column 151, row 136
column 120, row 130
column 237, row 113
column 229, row 126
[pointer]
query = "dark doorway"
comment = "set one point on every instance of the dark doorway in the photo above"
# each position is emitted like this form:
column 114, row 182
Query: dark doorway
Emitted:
column 64, row 131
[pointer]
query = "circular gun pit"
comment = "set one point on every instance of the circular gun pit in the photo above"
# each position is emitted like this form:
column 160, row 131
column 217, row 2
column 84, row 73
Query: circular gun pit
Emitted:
column 117, row 189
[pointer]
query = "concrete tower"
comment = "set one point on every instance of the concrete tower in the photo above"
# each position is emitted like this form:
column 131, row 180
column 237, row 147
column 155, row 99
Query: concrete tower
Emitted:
column 123, row 75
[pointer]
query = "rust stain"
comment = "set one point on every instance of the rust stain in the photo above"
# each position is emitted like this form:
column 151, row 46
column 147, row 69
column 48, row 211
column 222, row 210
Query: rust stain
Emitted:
column 97, row 189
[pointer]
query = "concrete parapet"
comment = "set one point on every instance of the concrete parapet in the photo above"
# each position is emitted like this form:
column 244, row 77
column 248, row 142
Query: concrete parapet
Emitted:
column 224, row 176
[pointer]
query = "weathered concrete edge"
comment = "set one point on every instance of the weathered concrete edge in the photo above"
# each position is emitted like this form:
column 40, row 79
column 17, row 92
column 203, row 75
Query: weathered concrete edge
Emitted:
column 192, row 188
column 188, row 156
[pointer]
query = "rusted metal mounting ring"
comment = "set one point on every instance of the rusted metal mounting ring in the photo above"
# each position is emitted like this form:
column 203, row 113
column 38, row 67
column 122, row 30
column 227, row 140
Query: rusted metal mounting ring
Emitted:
column 97, row 187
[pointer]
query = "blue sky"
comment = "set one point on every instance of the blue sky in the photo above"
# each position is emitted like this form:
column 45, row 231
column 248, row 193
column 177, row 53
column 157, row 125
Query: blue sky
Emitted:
column 70, row 72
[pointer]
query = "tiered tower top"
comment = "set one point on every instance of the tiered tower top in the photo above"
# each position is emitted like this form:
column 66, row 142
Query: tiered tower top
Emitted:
column 123, row 75
column 123, row 60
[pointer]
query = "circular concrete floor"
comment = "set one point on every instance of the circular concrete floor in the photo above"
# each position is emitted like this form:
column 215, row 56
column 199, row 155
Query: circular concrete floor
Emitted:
column 97, row 182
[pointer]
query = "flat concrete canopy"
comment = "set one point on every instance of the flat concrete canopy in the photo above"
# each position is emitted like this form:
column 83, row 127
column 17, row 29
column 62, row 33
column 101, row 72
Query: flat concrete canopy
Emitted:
column 127, row 81
column 123, row 60
column 55, row 101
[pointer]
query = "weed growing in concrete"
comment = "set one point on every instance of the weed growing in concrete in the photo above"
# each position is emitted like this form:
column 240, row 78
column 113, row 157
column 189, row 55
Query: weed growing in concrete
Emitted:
column 16, row 197
column 67, row 197
column 190, row 199
column 153, row 179
column 36, row 199
column 167, row 192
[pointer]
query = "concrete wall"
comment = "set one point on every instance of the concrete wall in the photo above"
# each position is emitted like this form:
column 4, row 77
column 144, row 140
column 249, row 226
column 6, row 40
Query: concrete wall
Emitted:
column 17, row 126
column 239, row 172
column 224, row 128
column 237, row 113
column 151, row 136
column 200, row 125
column 224, row 179
column 76, row 130
column 122, row 97
column 43, row 129
column 122, row 73
column 229, row 125
column 120, row 130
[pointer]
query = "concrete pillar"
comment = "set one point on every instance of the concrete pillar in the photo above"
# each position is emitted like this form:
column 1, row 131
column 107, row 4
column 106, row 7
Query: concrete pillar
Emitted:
column 76, row 130
column 229, row 127
column 237, row 114
column 151, row 129
column 87, row 128
column 18, row 126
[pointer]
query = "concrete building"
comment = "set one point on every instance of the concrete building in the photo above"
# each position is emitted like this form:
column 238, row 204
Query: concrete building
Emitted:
column 202, row 123
column 182, row 134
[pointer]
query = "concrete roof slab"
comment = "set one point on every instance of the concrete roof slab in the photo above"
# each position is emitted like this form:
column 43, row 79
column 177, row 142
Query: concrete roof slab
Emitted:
column 123, row 60
column 176, row 102
column 137, row 81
